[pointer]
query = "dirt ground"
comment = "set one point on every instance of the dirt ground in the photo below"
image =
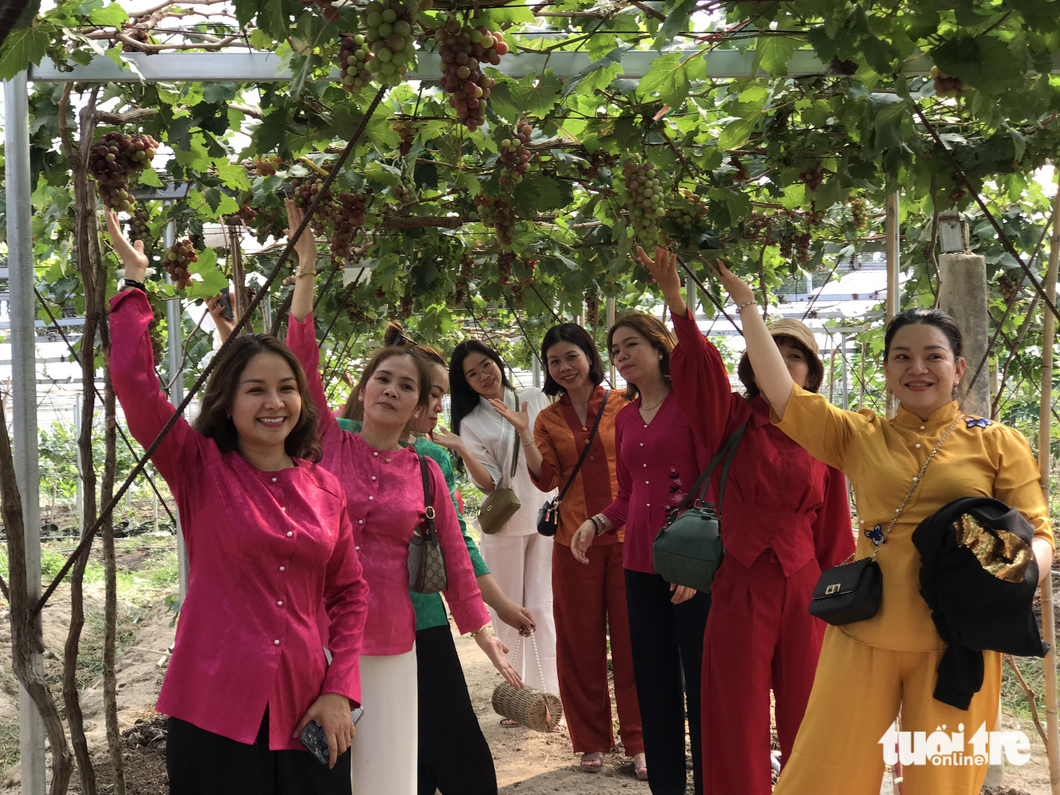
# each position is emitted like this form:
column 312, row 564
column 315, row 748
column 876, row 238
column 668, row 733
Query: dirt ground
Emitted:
column 528, row 763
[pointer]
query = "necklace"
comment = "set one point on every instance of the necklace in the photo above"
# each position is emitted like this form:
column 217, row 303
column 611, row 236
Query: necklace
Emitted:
column 652, row 408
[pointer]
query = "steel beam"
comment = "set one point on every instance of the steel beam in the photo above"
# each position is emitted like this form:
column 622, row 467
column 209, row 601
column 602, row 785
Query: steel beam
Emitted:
column 24, row 391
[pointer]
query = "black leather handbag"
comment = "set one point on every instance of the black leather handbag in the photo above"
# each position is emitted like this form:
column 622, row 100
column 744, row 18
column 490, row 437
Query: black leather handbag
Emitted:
column 848, row 592
column 852, row 591
column 426, row 562
column 548, row 515
column 688, row 549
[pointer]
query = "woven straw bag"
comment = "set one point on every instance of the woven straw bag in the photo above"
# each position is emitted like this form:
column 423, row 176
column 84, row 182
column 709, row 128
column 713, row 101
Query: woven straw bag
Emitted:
column 534, row 709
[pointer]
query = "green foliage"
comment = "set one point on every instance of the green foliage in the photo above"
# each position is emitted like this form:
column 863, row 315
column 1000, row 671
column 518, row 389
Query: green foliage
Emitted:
column 769, row 167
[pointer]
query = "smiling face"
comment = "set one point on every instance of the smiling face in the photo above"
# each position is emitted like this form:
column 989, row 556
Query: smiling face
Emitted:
column 921, row 368
column 795, row 359
column 568, row 366
column 635, row 358
column 428, row 419
column 266, row 405
column 391, row 394
column 483, row 375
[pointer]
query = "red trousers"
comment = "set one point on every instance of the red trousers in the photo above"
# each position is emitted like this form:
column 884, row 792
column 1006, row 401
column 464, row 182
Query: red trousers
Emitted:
column 759, row 635
column 589, row 603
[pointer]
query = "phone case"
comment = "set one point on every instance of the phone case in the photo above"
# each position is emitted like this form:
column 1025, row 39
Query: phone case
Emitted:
column 316, row 742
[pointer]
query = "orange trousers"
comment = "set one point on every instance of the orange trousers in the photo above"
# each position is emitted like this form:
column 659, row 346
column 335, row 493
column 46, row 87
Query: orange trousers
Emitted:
column 589, row 604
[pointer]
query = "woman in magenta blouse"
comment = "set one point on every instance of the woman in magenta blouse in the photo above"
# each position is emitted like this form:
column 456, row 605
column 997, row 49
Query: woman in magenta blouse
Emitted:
column 658, row 461
column 785, row 517
column 384, row 492
column 270, row 544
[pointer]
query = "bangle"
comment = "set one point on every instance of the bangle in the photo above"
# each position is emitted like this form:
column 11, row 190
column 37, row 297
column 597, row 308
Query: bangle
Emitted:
column 527, row 444
column 306, row 273
column 474, row 633
column 135, row 284
column 598, row 521
column 741, row 307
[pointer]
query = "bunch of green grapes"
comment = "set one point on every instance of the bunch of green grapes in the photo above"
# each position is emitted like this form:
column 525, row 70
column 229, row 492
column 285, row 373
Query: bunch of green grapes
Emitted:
column 388, row 25
column 354, row 55
column 642, row 192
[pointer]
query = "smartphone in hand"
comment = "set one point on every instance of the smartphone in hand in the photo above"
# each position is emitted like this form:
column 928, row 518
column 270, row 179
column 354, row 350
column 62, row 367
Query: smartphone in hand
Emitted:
column 225, row 303
column 316, row 742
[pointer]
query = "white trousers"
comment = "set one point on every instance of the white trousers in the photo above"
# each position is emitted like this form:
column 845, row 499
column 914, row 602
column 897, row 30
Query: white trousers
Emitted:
column 522, row 567
column 383, row 755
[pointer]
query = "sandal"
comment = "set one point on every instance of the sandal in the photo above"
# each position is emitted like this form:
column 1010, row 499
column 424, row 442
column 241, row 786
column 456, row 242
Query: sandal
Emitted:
column 508, row 722
column 593, row 761
column 640, row 764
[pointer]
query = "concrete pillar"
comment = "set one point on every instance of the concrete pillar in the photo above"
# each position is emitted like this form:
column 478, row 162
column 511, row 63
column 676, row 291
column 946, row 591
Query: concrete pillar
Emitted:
column 963, row 294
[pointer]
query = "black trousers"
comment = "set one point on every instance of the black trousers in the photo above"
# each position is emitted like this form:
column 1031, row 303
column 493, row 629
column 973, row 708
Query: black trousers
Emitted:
column 667, row 639
column 454, row 758
column 203, row 763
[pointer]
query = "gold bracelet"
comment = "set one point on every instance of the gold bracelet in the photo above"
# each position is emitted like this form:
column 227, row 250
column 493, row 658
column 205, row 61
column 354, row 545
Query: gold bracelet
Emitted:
column 474, row 633
column 741, row 307
column 306, row 273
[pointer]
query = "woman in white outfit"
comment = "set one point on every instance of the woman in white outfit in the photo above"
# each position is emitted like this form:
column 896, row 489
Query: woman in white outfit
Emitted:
column 519, row 558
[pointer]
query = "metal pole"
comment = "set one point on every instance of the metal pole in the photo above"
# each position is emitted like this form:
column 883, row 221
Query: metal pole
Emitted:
column 174, row 320
column 1044, row 419
column 892, row 233
column 24, row 391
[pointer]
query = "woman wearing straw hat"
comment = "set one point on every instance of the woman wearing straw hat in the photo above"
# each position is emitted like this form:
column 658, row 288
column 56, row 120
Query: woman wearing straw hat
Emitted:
column 784, row 519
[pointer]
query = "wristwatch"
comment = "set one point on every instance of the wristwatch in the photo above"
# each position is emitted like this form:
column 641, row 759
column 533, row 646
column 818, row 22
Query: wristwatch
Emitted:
column 133, row 283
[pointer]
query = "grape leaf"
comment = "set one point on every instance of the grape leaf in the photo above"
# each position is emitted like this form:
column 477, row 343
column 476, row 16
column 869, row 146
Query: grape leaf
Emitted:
column 232, row 175
column 270, row 133
column 273, row 20
column 149, row 177
column 609, row 62
column 676, row 22
column 672, row 77
column 542, row 94
column 736, row 132
column 23, row 47
column 539, row 193
column 772, row 53
column 109, row 16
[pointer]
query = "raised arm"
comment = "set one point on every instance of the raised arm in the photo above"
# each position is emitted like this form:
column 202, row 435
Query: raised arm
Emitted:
column 700, row 380
column 771, row 374
column 520, row 420
column 306, row 248
column 133, row 371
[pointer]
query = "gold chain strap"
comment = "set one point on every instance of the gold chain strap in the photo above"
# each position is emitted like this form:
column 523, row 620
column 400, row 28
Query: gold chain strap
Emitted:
column 916, row 482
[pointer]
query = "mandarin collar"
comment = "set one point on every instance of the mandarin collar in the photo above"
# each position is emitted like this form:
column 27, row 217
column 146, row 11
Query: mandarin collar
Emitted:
column 402, row 450
column 944, row 415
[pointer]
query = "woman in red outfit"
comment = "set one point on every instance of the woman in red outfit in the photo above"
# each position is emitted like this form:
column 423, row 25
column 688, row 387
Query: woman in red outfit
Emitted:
column 658, row 461
column 785, row 517
column 269, row 544
column 589, row 602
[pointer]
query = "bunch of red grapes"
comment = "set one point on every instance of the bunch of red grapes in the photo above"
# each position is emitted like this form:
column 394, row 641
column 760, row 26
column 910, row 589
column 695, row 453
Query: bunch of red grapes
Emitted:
column 347, row 217
column 267, row 166
column 140, row 229
column 946, row 86
column 464, row 49
column 304, row 192
column 514, row 156
column 497, row 213
column 179, row 256
column 115, row 161
column 354, row 55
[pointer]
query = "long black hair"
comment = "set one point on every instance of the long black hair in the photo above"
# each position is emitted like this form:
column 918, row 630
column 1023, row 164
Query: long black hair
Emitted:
column 575, row 334
column 464, row 398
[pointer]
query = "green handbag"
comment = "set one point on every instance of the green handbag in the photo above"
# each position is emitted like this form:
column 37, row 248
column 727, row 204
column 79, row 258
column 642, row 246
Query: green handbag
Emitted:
column 688, row 549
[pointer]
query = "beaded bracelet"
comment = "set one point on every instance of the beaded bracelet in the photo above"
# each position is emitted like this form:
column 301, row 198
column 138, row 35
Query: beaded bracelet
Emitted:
column 741, row 307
